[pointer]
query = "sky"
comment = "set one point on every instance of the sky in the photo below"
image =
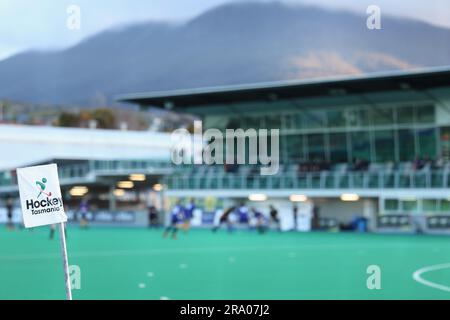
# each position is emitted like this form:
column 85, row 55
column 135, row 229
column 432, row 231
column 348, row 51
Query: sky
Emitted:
column 42, row 24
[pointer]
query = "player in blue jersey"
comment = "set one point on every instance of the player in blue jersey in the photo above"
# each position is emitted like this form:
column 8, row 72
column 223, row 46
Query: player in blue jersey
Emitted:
column 243, row 214
column 188, row 214
column 84, row 210
column 176, row 218
column 261, row 221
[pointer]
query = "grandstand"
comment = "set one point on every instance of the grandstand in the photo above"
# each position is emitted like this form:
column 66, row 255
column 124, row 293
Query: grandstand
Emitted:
column 373, row 146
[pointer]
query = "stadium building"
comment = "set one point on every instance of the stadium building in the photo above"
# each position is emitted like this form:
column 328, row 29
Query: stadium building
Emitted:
column 373, row 146
column 116, row 172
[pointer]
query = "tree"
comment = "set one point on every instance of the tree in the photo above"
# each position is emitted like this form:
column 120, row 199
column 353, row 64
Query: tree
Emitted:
column 70, row 120
column 105, row 118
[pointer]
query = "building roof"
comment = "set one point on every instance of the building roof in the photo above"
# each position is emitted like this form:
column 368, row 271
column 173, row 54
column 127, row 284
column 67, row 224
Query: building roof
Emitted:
column 402, row 81
column 25, row 145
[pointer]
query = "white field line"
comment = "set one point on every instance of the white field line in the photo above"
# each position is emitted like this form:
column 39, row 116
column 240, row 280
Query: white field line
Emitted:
column 94, row 254
column 417, row 276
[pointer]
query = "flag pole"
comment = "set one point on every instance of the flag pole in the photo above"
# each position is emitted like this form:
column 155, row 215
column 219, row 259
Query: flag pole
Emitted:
column 62, row 237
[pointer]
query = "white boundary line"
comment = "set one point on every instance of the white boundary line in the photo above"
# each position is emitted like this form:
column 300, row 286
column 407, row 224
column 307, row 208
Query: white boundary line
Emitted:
column 417, row 275
column 157, row 251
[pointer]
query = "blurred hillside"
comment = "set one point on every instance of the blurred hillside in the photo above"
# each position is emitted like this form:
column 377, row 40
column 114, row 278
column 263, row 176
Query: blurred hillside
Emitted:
column 231, row 44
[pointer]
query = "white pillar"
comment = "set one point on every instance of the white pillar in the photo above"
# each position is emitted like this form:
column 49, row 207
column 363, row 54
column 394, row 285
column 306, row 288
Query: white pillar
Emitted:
column 112, row 198
column 370, row 212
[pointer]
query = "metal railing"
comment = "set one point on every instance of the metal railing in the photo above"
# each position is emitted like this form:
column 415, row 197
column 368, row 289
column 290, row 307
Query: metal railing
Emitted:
column 316, row 180
column 86, row 171
column 207, row 177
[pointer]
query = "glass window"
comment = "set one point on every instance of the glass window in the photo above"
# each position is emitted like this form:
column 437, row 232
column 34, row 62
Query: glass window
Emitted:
column 252, row 122
column 427, row 142
column 407, row 149
column 299, row 121
column 273, row 122
column 314, row 119
column 336, row 118
column 444, row 142
column 384, row 146
column 357, row 117
column 445, row 205
column 295, row 147
column 405, row 115
column 391, row 205
column 234, row 123
column 365, row 117
column 409, row 205
column 425, row 114
column 382, row 116
column 338, row 148
column 316, row 147
column 360, row 144
column 430, row 205
column 289, row 121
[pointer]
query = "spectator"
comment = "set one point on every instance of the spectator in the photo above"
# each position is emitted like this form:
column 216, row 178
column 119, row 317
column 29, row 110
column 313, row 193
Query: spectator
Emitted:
column 438, row 164
column 360, row 164
column 254, row 171
column 418, row 163
column 231, row 168
column 427, row 161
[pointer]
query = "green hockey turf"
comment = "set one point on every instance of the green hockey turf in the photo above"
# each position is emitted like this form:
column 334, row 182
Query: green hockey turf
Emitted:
column 140, row 264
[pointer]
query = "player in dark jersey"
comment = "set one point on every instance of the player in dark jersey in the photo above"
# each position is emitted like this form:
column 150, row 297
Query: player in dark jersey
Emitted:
column 153, row 217
column 225, row 218
column 176, row 218
column 9, row 212
column 274, row 217
column 295, row 217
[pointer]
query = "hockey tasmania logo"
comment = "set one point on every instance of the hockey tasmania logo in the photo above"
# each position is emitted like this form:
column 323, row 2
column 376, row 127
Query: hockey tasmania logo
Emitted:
column 40, row 196
column 41, row 186
column 44, row 203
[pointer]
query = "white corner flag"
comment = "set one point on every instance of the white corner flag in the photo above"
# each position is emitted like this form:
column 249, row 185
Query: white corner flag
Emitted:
column 42, row 204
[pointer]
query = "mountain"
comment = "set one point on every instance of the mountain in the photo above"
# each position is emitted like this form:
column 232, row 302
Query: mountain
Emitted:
column 231, row 44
